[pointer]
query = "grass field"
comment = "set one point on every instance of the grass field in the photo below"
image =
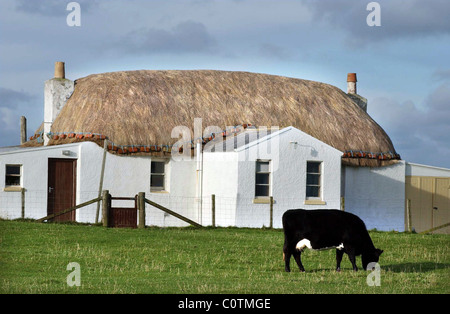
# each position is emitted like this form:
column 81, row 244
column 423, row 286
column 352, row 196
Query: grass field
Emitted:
column 34, row 259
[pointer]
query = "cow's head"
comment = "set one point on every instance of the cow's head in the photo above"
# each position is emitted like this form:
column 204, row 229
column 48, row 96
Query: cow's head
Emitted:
column 371, row 257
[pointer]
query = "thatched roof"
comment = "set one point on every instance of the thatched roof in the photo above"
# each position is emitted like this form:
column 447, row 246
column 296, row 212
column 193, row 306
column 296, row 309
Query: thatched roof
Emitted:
column 142, row 107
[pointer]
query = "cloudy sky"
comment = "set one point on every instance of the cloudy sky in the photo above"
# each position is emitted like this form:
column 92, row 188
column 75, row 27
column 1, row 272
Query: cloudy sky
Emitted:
column 403, row 65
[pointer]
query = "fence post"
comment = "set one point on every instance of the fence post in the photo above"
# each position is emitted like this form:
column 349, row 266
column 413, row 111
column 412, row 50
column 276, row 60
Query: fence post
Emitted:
column 102, row 175
column 23, row 130
column 408, row 215
column 22, row 194
column 106, row 205
column 271, row 213
column 213, row 209
column 141, row 207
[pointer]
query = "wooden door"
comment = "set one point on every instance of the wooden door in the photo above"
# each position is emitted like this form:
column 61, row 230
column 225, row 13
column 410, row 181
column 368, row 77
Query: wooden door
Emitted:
column 441, row 204
column 419, row 192
column 429, row 201
column 61, row 187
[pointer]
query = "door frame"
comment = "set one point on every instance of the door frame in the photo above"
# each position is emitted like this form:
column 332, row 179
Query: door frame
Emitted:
column 73, row 195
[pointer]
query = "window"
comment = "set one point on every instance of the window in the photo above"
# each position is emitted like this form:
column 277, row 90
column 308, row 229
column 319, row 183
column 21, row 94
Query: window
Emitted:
column 313, row 179
column 262, row 186
column 157, row 176
column 13, row 175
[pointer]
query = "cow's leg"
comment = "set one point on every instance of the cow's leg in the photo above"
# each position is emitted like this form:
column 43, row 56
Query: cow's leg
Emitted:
column 298, row 259
column 352, row 257
column 339, row 254
column 286, row 257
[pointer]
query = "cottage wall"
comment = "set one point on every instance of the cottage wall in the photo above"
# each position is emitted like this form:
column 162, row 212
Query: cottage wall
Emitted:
column 124, row 176
column 220, row 177
column 377, row 195
column 288, row 181
column 231, row 176
column 34, row 163
column 128, row 175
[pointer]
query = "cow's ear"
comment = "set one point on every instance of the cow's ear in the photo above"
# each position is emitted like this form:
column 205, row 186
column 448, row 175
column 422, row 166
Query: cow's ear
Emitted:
column 378, row 252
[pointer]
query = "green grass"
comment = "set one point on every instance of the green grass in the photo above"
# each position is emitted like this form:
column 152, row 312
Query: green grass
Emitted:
column 34, row 257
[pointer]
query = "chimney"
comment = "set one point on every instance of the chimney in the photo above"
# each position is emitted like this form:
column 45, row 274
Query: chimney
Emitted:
column 351, row 92
column 56, row 92
column 351, row 83
column 59, row 70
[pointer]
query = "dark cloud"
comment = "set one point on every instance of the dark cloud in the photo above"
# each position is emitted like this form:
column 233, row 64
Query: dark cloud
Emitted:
column 11, row 99
column 399, row 19
column 14, row 104
column 419, row 135
column 185, row 37
column 441, row 75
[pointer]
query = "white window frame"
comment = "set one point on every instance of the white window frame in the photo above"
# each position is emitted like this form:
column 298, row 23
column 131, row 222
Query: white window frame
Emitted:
column 20, row 175
column 163, row 174
column 320, row 183
column 269, row 173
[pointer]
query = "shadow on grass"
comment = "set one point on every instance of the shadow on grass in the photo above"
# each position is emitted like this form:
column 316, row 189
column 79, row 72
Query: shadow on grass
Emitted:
column 421, row 267
column 414, row 267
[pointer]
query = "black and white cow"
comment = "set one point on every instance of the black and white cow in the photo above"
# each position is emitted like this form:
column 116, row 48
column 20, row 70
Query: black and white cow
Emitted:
column 326, row 229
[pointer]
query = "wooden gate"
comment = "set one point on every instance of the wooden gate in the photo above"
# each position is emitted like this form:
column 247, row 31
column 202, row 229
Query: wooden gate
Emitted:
column 123, row 217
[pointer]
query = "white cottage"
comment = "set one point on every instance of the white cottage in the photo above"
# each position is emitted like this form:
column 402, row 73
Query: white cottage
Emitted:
column 254, row 145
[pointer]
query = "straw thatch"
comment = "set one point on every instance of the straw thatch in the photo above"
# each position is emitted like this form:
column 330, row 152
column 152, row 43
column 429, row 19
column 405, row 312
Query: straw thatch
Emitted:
column 142, row 107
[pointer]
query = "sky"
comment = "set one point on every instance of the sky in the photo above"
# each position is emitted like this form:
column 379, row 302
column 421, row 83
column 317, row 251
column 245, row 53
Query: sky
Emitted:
column 402, row 62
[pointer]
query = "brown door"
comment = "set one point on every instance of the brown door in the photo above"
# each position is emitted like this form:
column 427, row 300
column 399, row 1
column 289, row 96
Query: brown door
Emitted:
column 61, row 189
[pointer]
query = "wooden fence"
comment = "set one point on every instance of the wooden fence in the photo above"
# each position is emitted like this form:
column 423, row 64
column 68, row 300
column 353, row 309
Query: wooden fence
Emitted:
column 107, row 210
column 65, row 211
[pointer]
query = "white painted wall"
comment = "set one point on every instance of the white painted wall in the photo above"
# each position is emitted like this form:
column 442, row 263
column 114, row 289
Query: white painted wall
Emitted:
column 124, row 176
column 179, row 197
column 231, row 176
column 377, row 195
column 34, row 163
column 419, row 170
column 220, row 177
column 374, row 194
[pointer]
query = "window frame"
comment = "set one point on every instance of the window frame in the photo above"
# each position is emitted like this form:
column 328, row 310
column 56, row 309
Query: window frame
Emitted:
column 14, row 187
column 319, row 184
column 269, row 179
column 163, row 174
